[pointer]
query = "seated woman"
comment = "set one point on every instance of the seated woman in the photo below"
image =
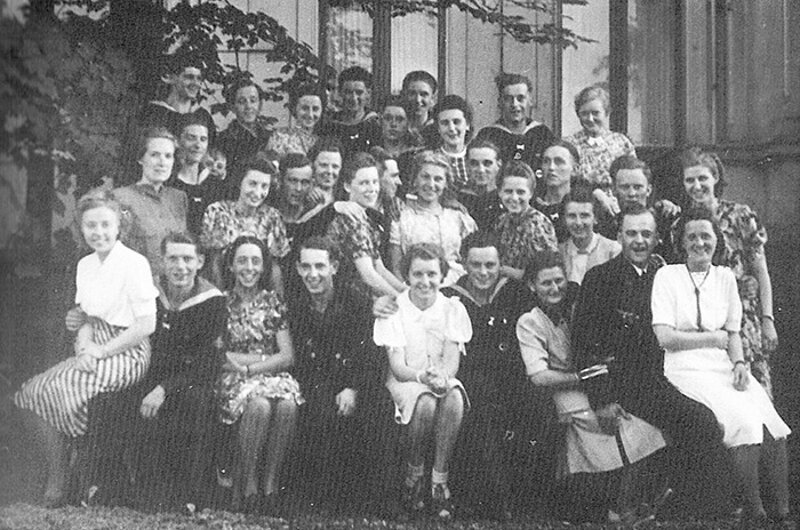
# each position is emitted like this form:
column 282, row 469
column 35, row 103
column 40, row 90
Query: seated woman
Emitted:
column 224, row 221
column 115, row 314
column 544, row 337
column 424, row 340
column 697, row 316
column 429, row 218
column 360, row 237
column 522, row 231
column 255, row 389
column 584, row 249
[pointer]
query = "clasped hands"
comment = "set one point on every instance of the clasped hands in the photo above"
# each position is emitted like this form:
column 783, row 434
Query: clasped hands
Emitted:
column 609, row 417
column 434, row 378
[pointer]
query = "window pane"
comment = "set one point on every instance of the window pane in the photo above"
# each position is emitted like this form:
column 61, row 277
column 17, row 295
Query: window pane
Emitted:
column 349, row 38
column 414, row 45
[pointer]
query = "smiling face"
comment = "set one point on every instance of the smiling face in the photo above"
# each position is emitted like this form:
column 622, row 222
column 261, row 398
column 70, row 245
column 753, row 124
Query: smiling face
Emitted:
column 430, row 183
column 453, row 129
column 394, row 123
column 631, row 187
column 515, row 105
column 364, row 187
column 638, row 237
column 327, row 166
column 157, row 161
column 297, row 183
column 699, row 242
column 308, row 111
column 186, row 85
column 181, row 263
column 390, row 178
column 593, row 117
column 194, row 143
column 254, row 189
column 247, row 266
column 355, row 96
column 247, row 104
column 558, row 166
column 579, row 218
column 316, row 270
column 482, row 166
column 421, row 97
column 550, row 286
column 100, row 229
column 699, row 182
column 424, row 278
column 515, row 194
column 483, row 267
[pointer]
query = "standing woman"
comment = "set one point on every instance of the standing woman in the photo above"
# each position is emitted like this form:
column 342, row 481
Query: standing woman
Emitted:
column 427, row 220
column 152, row 210
column 742, row 249
column 115, row 314
column 306, row 103
column 256, row 390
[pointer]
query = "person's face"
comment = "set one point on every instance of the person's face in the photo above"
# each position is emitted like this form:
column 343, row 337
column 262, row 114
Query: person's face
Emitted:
column 593, row 117
column 297, row 183
column 550, row 286
column 631, row 187
column 157, row 161
column 390, row 178
column 482, row 166
column 354, row 96
column 699, row 241
column 515, row 194
column 254, row 188
column 364, row 187
column 421, row 96
column 699, row 182
column 187, row 83
column 515, row 104
column 424, row 278
column 394, row 123
column 638, row 237
column 558, row 166
column 483, row 267
column 453, row 128
column 219, row 167
column 247, row 104
column 579, row 218
column 308, row 111
column 430, row 183
column 100, row 228
column 194, row 143
column 247, row 266
column 326, row 168
column 316, row 270
column 181, row 263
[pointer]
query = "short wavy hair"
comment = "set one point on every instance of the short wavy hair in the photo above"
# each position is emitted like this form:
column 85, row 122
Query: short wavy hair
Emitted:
column 590, row 93
column 425, row 252
column 229, row 254
column 697, row 156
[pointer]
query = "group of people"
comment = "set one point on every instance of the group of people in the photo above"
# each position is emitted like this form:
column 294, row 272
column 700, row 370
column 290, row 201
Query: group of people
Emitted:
column 370, row 283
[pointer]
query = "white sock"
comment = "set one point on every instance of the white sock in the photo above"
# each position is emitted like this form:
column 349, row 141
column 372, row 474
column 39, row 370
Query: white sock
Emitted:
column 414, row 473
column 440, row 477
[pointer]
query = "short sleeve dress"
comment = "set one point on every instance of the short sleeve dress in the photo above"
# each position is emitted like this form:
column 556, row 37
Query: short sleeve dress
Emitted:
column 705, row 374
column 285, row 140
column 252, row 328
column 422, row 335
column 546, row 346
column 113, row 293
column 445, row 229
column 522, row 235
column 224, row 221
column 598, row 152
column 356, row 238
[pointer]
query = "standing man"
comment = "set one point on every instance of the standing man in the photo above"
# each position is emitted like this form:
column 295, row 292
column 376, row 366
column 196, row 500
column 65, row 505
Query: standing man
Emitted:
column 356, row 127
column 419, row 92
column 516, row 134
column 613, row 324
column 480, row 196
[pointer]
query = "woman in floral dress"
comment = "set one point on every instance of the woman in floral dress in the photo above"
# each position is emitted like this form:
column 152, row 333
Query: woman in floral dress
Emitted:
column 256, row 391
column 306, row 104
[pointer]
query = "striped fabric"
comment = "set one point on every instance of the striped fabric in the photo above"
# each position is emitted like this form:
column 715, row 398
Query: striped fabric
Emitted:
column 61, row 394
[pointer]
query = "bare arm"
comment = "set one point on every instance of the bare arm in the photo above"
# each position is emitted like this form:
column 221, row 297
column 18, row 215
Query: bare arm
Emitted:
column 272, row 364
column 761, row 272
column 672, row 339
column 141, row 328
column 387, row 275
column 395, row 254
column 555, row 379
column 511, row 272
column 736, row 354
column 277, row 277
column 367, row 271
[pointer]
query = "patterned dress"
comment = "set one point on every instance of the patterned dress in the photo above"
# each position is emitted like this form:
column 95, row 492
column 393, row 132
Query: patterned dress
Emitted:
column 252, row 328
column 291, row 140
column 598, row 152
column 522, row 235
column 224, row 221
column 356, row 239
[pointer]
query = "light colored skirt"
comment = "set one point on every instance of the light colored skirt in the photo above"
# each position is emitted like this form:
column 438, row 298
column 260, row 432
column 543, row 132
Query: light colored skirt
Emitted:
column 406, row 393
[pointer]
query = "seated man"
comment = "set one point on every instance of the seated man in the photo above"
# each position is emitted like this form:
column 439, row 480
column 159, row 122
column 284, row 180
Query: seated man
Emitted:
column 175, row 430
column 340, row 374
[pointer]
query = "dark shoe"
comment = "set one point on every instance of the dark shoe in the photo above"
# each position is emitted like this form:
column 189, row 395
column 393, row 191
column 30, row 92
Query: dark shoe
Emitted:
column 783, row 521
column 271, row 505
column 413, row 497
column 441, row 504
column 251, row 504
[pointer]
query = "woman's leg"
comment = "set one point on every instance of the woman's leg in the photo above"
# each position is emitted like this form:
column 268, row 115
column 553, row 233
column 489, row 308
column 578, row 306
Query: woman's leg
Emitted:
column 420, row 428
column 283, row 426
column 56, row 449
column 448, row 422
column 745, row 462
column 253, row 427
column 775, row 464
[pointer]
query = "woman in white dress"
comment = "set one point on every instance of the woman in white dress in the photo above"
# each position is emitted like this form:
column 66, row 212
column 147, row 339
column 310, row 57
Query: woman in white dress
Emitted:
column 697, row 318
column 424, row 340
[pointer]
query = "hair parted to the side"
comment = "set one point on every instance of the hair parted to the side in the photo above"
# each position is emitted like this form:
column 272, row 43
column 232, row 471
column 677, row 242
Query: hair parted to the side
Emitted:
column 542, row 260
column 697, row 156
column 420, row 75
column 152, row 133
column 322, row 243
column 479, row 239
column 591, row 93
column 425, row 252
column 183, row 238
column 699, row 213
column 229, row 254
column 504, row 79
column 629, row 162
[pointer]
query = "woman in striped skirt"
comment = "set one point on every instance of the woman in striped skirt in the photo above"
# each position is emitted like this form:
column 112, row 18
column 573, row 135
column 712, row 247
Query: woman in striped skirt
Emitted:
column 114, row 315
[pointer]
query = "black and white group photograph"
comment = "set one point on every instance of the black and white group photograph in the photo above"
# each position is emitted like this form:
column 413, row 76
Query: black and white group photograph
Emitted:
column 399, row 264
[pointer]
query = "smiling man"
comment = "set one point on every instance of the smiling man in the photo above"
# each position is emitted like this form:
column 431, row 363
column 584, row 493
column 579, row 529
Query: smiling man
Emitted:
column 355, row 125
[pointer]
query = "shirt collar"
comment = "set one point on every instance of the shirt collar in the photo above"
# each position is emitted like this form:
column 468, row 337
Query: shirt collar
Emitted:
column 574, row 250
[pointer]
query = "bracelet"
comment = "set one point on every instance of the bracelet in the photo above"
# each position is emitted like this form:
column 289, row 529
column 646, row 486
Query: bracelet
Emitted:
column 740, row 361
column 768, row 317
